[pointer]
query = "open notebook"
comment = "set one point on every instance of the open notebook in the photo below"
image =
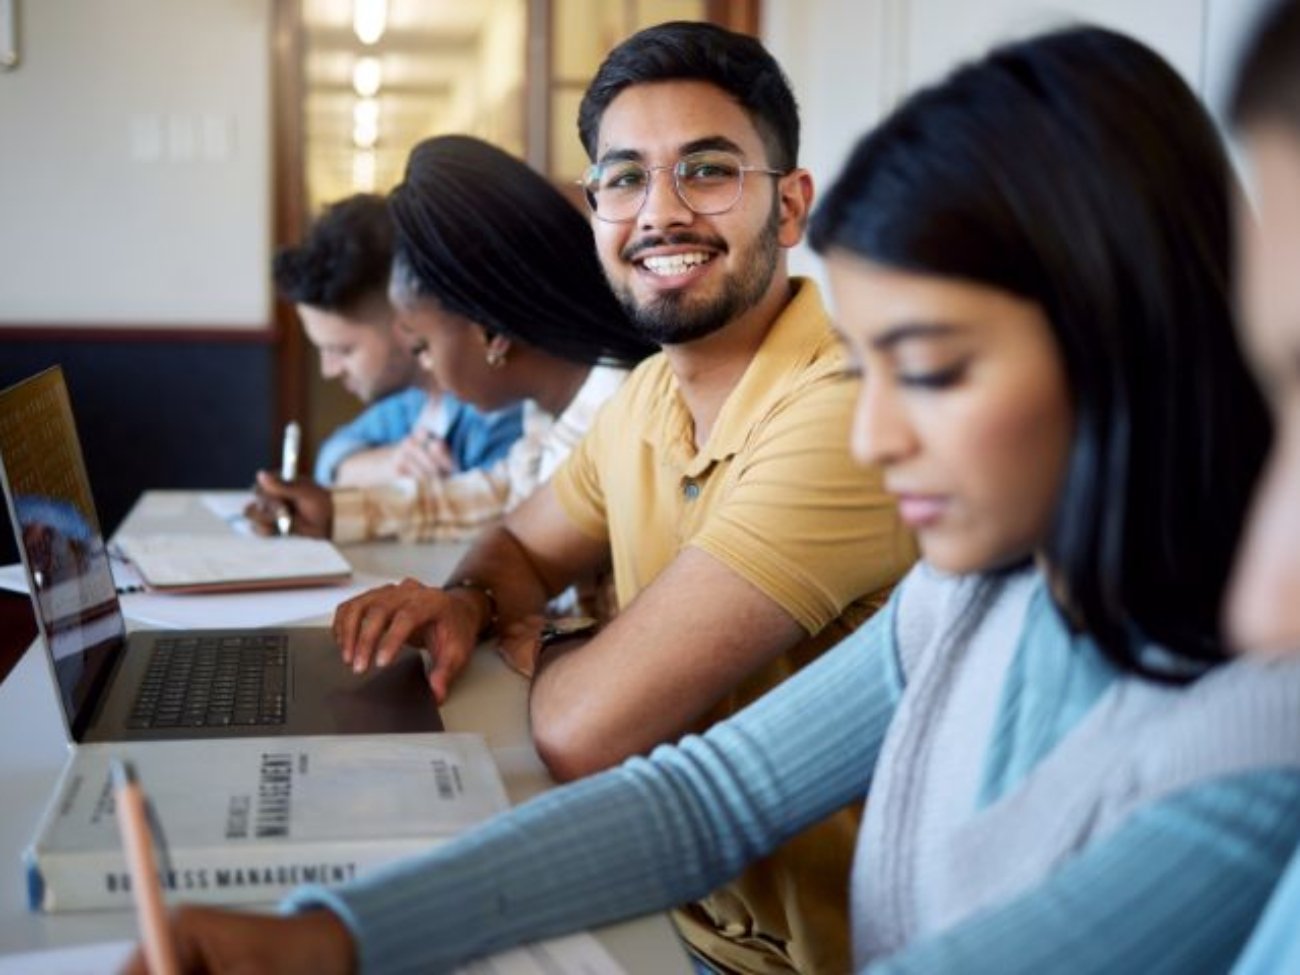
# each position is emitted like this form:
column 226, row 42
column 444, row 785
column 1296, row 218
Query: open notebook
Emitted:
column 217, row 563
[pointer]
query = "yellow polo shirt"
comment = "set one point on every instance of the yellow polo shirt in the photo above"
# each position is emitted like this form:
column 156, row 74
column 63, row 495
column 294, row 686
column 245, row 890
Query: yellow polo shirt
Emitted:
column 775, row 496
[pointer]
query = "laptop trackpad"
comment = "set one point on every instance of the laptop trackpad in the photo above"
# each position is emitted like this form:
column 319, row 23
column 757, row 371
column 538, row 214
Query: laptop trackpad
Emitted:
column 395, row 698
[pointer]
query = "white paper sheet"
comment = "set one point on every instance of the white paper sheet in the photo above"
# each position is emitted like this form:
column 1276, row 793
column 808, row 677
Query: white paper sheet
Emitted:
column 94, row 959
column 273, row 607
column 13, row 578
column 578, row 954
column 229, row 507
column 270, row 608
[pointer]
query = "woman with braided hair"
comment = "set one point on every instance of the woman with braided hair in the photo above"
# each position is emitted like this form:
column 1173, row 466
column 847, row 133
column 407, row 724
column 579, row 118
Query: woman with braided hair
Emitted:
column 496, row 282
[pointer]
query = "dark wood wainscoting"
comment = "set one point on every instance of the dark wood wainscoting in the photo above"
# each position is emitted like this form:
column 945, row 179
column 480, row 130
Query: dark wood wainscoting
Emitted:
column 157, row 411
column 17, row 629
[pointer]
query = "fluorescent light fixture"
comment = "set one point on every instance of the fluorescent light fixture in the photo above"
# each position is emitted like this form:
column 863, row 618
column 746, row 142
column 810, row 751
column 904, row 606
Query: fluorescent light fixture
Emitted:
column 366, row 111
column 365, row 123
column 367, row 76
column 369, row 18
column 364, row 136
column 363, row 171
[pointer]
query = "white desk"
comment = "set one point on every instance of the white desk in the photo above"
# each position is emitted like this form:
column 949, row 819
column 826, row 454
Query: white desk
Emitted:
column 487, row 699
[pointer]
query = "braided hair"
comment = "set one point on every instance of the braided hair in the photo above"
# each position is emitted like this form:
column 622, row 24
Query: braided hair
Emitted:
column 488, row 238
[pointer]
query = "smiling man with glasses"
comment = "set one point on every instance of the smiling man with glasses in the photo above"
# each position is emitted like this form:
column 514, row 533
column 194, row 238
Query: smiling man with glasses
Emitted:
column 717, row 484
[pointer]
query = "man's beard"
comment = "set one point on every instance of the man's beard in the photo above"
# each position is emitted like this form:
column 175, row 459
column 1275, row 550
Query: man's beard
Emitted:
column 670, row 318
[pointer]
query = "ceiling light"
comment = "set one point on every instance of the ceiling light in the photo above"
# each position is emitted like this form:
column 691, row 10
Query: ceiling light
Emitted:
column 363, row 171
column 365, row 123
column 369, row 18
column 367, row 76
column 366, row 111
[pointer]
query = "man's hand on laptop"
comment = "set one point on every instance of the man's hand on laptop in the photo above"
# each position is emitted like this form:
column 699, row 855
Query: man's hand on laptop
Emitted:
column 310, row 508
column 371, row 628
column 207, row 940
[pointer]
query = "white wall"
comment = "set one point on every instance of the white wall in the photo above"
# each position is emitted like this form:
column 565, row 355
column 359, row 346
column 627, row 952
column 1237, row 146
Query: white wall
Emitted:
column 135, row 144
column 135, row 164
column 850, row 60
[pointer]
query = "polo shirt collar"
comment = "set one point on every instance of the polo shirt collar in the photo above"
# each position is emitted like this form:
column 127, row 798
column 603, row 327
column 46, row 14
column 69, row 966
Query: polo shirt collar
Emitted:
column 796, row 338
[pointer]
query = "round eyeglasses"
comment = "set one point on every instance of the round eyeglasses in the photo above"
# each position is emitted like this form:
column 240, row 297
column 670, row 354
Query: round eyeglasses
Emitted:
column 708, row 182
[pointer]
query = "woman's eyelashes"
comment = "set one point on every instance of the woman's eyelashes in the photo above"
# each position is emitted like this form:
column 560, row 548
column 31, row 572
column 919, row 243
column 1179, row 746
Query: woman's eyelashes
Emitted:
column 932, row 378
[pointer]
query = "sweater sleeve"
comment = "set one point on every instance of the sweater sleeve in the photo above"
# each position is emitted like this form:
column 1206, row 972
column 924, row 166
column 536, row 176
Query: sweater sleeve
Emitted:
column 1275, row 945
column 1174, row 890
column 650, row 834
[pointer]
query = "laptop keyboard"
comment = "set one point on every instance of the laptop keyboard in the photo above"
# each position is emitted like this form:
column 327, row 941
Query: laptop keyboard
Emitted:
column 201, row 682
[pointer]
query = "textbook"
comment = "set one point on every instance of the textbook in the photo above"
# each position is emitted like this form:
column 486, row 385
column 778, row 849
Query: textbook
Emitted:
column 255, row 817
column 181, row 563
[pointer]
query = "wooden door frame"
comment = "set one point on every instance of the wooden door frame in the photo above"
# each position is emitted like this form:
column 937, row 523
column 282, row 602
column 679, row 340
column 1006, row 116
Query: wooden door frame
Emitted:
column 289, row 202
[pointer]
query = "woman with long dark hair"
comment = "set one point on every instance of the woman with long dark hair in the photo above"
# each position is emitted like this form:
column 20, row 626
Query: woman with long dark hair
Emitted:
column 495, row 280
column 1067, row 771
column 1264, row 608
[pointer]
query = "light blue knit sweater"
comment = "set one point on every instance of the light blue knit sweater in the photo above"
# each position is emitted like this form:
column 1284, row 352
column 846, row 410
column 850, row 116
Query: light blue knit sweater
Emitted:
column 1161, row 868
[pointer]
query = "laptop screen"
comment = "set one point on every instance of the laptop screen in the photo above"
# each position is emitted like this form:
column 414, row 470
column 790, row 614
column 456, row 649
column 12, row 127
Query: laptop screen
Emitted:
column 58, row 533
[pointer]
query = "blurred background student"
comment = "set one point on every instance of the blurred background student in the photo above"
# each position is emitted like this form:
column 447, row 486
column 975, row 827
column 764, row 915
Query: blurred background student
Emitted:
column 338, row 280
column 497, row 289
column 1264, row 611
column 1068, row 771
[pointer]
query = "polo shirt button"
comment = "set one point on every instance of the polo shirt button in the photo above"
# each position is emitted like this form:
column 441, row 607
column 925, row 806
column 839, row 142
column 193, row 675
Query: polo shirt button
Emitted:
column 691, row 490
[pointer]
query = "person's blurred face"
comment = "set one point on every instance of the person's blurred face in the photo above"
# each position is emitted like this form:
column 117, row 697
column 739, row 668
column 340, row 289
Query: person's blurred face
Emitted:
column 1264, row 599
column 363, row 351
column 453, row 349
column 964, row 405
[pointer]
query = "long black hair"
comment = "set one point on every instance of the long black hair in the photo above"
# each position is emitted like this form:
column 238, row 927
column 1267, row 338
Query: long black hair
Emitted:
column 488, row 238
column 1078, row 171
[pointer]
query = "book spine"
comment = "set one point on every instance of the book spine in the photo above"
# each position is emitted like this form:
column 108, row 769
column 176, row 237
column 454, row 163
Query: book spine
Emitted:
column 93, row 880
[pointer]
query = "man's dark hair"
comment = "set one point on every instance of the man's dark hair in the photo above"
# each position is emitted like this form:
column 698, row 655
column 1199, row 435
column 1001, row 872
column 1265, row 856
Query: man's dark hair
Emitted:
column 345, row 260
column 1268, row 83
column 1078, row 171
column 689, row 51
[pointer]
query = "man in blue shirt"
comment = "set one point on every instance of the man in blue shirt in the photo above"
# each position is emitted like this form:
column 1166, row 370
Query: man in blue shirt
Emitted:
column 338, row 279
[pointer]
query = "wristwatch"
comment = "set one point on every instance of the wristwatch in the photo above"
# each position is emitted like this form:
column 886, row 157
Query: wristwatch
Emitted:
column 524, row 660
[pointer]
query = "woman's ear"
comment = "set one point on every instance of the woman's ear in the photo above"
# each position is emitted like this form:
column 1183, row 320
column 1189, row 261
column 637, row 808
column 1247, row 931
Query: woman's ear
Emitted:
column 497, row 349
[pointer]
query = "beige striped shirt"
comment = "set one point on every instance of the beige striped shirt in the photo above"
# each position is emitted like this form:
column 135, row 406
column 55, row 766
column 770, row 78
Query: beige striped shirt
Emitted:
column 459, row 506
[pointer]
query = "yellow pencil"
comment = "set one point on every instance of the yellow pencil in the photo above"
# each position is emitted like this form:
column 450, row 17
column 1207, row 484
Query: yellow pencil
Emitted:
column 159, row 951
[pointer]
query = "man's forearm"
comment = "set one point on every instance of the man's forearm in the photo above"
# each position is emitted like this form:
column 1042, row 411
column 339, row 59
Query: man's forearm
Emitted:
column 688, row 639
column 499, row 563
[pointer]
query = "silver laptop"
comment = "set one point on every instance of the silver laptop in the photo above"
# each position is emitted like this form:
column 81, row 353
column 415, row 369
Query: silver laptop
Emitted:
column 166, row 684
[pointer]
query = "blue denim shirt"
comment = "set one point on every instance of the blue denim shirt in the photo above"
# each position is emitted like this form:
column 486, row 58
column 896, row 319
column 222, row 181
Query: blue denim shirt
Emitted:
column 475, row 439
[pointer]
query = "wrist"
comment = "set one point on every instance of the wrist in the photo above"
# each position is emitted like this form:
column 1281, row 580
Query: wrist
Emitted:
column 483, row 600
column 329, row 941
